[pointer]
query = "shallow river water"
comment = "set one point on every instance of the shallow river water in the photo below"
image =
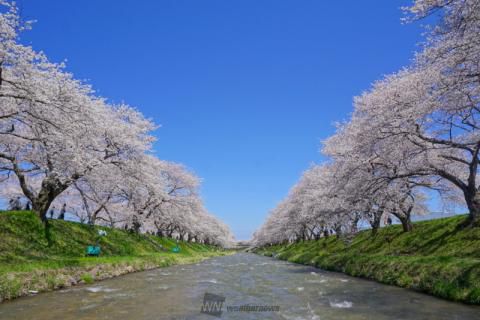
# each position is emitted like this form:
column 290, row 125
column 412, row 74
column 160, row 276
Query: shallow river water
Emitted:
column 281, row 289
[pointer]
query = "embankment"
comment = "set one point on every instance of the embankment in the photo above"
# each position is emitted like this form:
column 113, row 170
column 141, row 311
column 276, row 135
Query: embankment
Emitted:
column 437, row 257
column 28, row 265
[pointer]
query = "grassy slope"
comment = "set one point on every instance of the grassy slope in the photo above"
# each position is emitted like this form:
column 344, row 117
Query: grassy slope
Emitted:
column 435, row 257
column 26, row 263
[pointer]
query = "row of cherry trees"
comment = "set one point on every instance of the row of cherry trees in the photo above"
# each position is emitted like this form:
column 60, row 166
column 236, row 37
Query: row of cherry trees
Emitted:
column 415, row 130
column 61, row 145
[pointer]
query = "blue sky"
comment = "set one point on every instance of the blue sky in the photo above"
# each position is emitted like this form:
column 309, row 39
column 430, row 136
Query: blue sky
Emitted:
column 245, row 90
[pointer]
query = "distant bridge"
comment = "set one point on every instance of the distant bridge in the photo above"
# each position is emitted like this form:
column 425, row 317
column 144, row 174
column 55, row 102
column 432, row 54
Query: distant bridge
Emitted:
column 241, row 245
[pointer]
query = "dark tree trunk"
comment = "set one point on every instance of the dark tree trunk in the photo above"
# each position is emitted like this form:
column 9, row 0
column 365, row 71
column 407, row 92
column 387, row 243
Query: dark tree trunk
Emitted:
column 325, row 233
column 41, row 203
column 406, row 223
column 338, row 231
column 375, row 223
column 405, row 219
column 354, row 228
column 473, row 203
column 51, row 188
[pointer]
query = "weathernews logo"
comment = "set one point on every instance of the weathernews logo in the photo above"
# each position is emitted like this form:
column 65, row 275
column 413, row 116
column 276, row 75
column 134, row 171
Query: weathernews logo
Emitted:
column 213, row 304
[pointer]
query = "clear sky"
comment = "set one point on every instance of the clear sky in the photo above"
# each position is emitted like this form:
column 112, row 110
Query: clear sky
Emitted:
column 245, row 90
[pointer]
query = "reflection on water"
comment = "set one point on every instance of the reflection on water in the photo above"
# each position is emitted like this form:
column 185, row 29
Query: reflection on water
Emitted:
column 177, row 293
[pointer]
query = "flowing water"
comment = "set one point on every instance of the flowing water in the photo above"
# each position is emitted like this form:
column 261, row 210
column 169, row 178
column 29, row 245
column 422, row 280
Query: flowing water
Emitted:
column 177, row 292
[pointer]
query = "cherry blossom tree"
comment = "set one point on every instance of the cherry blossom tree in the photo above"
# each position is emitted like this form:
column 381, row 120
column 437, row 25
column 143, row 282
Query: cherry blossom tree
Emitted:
column 53, row 127
column 414, row 130
column 61, row 144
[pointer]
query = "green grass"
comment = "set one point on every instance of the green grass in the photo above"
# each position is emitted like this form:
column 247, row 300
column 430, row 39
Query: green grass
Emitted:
column 437, row 257
column 28, row 263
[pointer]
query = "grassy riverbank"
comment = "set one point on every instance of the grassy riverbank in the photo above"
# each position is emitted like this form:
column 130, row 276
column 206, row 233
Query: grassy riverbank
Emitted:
column 28, row 265
column 436, row 257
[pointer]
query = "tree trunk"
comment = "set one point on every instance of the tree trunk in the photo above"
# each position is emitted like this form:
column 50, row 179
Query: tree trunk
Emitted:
column 406, row 223
column 338, row 231
column 40, row 204
column 354, row 228
column 404, row 217
column 376, row 223
column 473, row 204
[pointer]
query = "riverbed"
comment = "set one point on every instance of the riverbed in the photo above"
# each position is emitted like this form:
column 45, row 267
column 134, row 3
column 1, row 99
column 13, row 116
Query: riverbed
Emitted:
column 240, row 286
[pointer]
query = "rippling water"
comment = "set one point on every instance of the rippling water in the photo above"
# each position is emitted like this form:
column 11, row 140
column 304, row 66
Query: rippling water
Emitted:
column 177, row 292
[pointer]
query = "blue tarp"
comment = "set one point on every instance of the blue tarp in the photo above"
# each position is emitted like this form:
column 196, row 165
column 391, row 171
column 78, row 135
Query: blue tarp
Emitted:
column 93, row 250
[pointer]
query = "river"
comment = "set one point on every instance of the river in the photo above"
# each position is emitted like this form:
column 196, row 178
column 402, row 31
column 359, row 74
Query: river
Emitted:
column 273, row 289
